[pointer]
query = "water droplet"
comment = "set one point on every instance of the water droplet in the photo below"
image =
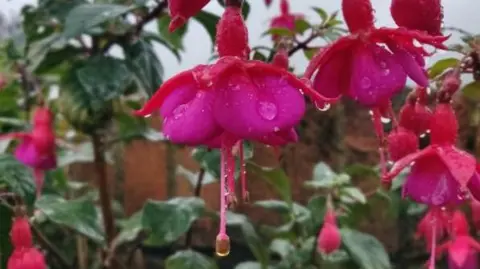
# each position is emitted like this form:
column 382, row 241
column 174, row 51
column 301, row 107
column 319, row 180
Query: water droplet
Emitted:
column 179, row 111
column 276, row 129
column 386, row 72
column 423, row 135
column 365, row 83
column 322, row 106
column 383, row 65
column 300, row 90
column 370, row 112
column 267, row 110
column 385, row 120
column 148, row 116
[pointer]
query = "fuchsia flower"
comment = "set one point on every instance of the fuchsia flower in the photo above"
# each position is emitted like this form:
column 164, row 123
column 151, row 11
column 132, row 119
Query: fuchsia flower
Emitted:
column 425, row 15
column 401, row 142
column 235, row 99
column 285, row 20
column 415, row 115
column 182, row 10
column 462, row 248
column 371, row 64
column 24, row 255
column 37, row 148
column 441, row 174
column 329, row 238
column 432, row 227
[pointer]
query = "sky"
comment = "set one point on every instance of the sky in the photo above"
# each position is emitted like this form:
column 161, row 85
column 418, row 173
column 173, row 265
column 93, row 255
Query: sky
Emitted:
column 458, row 13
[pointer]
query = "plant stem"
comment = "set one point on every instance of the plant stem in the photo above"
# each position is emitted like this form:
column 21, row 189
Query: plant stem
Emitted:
column 171, row 170
column 105, row 200
column 233, row 3
column 197, row 193
column 49, row 246
column 301, row 45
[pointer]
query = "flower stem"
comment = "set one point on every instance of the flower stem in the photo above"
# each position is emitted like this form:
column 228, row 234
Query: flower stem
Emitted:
column 233, row 3
column 197, row 193
column 223, row 179
column 105, row 200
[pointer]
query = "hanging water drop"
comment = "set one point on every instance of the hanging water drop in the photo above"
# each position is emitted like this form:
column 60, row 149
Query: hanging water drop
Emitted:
column 322, row 106
column 179, row 111
column 385, row 120
column 267, row 110
column 148, row 116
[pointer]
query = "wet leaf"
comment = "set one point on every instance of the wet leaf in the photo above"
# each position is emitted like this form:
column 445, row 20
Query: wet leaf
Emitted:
column 78, row 215
column 167, row 221
column 352, row 195
column 131, row 228
column 442, row 65
column 85, row 17
column 17, row 177
column 301, row 26
column 282, row 247
column 322, row 13
column 365, row 250
column 472, row 91
column 189, row 259
column 276, row 177
column 279, row 32
column 209, row 22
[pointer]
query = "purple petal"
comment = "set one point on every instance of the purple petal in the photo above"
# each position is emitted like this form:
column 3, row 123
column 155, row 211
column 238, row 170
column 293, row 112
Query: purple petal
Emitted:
column 188, row 117
column 27, row 154
column 332, row 80
column 474, row 186
column 376, row 75
column 431, row 183
column 461, row 164
column 411, row 63
column 251, row 107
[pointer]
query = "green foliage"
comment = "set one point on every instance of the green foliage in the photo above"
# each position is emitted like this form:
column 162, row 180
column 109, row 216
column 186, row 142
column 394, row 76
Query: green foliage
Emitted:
column 189, row 259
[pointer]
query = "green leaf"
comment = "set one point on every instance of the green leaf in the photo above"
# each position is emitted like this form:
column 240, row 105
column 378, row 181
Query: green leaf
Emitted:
column 256, row 245
column 352, row 195
column 276, row 177
column 189, row 259
column 83, row 153
column 249, row 265
column 245, row 10
column 208, row 159
column 365, row 250
column 83, row 18
column 78, row 215
column 322, row 171
column 317, row 205
column 193, row 177
column 282, row 247
column 148, row 36
column 301, row 26
column 16, row 177
column 144, row 64
column 131, row 228
column 209, row 22
column 100, row 80
column 167, row 221
column 279, row 32
column 259, row 56
column 472, row 91
column 442, row 65
column 175, row 39
column 322, row 13
column 310, row 52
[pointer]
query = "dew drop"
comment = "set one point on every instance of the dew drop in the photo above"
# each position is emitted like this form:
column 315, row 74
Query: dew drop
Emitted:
column 267, row 110
column 386, row 72
column 383, row 65
column 223, row 253
column 300, row 90
column 322, row 106
column 370, row 112
column 385, row 120
column 276, row 129
column 423, row 135
column 148, row 116
column 179, row 111
column 365, row 83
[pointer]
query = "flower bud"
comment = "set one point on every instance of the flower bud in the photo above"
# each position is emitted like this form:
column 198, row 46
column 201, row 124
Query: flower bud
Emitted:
column 401, row 142
column 329, row 238
column 20, row 233
column 424, row 15
column 27, row 258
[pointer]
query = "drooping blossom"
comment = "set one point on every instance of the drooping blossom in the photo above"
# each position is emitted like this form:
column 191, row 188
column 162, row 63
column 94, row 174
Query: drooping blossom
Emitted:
column 329, row 238
column 182, row 10
column 37, row 148
column 24, row 255
column 401, row 142
column 462, row 248
column 424, row 15
column 359, row 64
column 285, row 20
column 414, row 114
column 433, row 227
column 234, row 99
column 441, row 174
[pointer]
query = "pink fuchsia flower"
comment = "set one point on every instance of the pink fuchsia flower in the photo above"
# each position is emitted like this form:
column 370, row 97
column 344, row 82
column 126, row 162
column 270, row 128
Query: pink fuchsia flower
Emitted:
column 401, row 142
column 426, row 15
column 329, row 238
column 441, row 174
column 415, row 115
column 20, row 233
column 360, row 66
column 235, row 99
column 26, row 258
column 432, row 227
column 462, row 248
column 37, row 148
column 285, row 20
column 182, row 10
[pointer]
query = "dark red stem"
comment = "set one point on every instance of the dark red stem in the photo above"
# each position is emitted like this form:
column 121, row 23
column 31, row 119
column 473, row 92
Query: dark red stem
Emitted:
column 233, row 3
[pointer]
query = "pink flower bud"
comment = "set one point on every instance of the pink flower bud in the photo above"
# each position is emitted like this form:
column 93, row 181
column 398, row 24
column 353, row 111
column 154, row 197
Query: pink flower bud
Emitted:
column 329, row 238
column 424, row 15
column 415, row 117
column 443, row 125
column 401, row 142
column 20, row 234
column 26, row 258
column 182, row 10
column 232, row 34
